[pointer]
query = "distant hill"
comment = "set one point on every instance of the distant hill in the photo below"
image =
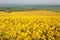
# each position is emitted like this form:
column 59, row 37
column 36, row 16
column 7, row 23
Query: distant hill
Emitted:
column 21, row 5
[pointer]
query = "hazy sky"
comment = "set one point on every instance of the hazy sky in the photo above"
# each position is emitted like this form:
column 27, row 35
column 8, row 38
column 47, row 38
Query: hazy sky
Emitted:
column 29, row 1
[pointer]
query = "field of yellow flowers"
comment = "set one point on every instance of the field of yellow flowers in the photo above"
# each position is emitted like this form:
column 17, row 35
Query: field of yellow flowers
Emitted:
column 30, row 25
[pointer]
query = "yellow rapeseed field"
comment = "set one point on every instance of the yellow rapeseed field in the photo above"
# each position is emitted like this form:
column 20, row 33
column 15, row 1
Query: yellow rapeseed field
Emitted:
column 30, row 25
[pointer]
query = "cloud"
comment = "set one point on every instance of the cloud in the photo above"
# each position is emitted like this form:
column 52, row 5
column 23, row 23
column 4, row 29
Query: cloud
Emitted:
column 29, row 1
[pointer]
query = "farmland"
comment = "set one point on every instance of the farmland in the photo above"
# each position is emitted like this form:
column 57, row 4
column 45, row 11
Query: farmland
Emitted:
column 30, row 25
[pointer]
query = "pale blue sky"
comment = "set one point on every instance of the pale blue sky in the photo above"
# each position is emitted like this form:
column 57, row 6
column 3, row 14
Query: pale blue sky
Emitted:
column 29, row 1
